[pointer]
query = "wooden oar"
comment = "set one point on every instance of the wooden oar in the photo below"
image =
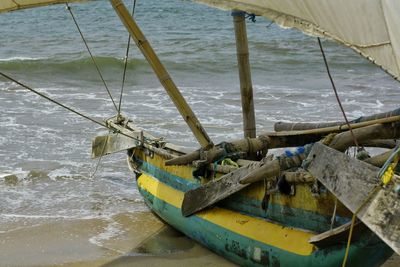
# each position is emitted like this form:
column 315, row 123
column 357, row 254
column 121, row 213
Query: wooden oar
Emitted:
column 351, row 181
column 212, row 192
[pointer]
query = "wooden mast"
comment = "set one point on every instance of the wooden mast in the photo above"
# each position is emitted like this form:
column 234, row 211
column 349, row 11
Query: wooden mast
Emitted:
column 162, row 74
column 246, row 88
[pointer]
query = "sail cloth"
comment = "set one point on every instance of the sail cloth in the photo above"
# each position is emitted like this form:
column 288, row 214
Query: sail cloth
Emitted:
column 10, row 5
column 370, row 27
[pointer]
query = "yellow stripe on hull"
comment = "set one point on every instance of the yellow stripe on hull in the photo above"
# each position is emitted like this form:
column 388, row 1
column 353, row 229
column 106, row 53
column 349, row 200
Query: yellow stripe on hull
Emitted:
column 288, row 239
column 303, row 199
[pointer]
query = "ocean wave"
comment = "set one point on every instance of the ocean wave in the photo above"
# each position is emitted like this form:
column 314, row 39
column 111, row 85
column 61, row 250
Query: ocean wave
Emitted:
column 62, row 65
column 20, row 59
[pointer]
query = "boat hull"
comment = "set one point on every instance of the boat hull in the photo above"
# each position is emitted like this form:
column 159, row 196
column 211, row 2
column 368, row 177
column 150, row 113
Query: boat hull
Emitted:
column 242, row 238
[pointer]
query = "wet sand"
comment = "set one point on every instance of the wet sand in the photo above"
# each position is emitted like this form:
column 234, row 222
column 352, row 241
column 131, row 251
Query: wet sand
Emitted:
column 129, row 239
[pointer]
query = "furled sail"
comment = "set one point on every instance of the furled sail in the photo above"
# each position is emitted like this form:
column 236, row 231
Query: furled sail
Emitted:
column 370, row 27
column 10, row 5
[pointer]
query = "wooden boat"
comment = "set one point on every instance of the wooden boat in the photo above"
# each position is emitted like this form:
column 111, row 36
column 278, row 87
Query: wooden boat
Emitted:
column 256, row 210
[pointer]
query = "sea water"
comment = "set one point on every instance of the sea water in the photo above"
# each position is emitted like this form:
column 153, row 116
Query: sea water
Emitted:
column 46, row 174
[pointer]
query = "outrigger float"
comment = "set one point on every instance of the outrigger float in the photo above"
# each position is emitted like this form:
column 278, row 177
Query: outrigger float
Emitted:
column 313, row 205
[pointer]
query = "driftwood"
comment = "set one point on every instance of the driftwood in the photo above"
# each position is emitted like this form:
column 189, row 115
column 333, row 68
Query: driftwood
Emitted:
column 352, row 181
column 284, row 126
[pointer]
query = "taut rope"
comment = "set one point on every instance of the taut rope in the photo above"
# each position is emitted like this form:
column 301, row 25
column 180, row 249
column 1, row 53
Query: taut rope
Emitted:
column 91, row 56
column 125, row 63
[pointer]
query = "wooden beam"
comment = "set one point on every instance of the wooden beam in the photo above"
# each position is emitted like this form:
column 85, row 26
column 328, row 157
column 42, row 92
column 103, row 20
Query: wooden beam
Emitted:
column 378, row 131
column 246, row 87
column 162, row 74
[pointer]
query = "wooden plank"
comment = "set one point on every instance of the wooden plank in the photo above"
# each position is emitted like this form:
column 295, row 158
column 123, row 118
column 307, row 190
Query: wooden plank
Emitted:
column 112, row 143
column 338, row 235
column 214, row 191
column 351, row 181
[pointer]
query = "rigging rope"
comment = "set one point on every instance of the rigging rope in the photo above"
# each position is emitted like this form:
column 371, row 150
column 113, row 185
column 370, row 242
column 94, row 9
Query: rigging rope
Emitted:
column 68, row 108
column 125, row 63
column 385, row 175
column 336, row 94
column 91, row 55
column 51, row 100
column 353, row 220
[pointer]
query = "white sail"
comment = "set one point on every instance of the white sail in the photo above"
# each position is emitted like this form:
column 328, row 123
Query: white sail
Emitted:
column 10, row 5
column 370, row 27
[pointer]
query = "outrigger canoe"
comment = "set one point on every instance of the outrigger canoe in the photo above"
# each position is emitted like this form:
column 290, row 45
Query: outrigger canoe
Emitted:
column 254, row 208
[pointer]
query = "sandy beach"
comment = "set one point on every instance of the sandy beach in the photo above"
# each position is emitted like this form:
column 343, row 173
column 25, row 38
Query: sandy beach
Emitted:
column 130, row 239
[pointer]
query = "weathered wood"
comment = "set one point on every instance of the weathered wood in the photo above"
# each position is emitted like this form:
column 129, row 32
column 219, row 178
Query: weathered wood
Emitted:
column 208, row 156
column 300, row 138
column 275, row 167
column 378, row 131
column 246, row 87
column 298, row 177
column 129, row 130
column 270, row 169
column 214, row 191
column 351, row 181
column 338, row 235
column 380, row 159
column 112, row 143
column 285, row 126
column 162, row 74
column 336, row 129
column 382, row 143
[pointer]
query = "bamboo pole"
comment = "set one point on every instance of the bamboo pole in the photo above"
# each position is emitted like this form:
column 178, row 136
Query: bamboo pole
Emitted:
column 162, row 74
column 246, row 87
column 285, row 126
column 284, row 139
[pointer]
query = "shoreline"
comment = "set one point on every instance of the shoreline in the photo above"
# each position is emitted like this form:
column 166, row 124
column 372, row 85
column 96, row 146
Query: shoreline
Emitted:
column 125, row 239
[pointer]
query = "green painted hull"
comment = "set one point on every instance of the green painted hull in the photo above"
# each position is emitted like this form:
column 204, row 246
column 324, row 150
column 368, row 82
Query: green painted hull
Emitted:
column 368, row 250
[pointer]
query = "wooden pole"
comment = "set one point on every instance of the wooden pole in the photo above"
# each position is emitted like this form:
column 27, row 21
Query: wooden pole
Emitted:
column 246, row 88
column 162, row 74
column 285, row 126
